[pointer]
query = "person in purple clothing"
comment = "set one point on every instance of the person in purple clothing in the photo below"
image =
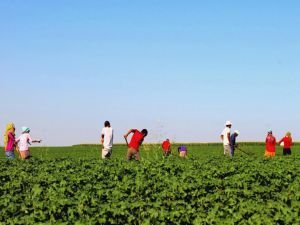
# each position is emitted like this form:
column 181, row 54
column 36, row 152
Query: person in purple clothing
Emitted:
column 182, row 150
column 9, row 141
column 233, row 144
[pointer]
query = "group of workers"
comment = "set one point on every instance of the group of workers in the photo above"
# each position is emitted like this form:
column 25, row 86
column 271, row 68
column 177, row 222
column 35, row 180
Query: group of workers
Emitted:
column 134, row 144
column 229, row 142
column 21, row 144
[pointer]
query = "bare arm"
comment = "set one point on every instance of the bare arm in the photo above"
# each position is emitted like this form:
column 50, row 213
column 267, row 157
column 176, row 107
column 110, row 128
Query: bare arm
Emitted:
column 129, row 132
column 222, row 137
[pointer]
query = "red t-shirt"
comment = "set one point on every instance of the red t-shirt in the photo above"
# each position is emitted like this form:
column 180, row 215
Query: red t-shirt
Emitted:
column 136, row 140
column 288, row 142
column 271, row 143
column 166, row 146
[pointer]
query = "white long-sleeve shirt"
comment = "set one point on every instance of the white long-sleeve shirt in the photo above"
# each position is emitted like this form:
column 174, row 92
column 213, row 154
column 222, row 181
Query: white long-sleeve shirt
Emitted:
column 24, row 141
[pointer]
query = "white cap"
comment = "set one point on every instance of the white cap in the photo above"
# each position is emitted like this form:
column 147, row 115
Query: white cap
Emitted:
column 25, row 129
column 228, row 123
column 237, row 132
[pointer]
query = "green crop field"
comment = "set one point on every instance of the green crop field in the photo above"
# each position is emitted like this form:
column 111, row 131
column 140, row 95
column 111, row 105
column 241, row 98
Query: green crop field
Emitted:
column 71, row 185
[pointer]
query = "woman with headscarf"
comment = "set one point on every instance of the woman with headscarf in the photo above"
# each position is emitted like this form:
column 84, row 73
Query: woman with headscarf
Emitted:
column 9, row 140
column 270, row 145
column 24, row 142
column 287, row 143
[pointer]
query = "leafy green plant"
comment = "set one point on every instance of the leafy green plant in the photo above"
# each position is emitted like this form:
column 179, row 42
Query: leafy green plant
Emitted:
column 198, row 190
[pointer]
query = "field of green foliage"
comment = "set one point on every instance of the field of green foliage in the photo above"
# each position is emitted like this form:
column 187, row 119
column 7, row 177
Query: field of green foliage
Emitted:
column 71, row 185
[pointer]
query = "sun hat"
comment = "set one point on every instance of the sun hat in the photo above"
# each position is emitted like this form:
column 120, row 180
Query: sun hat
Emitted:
column 237, row 132
column 25, row 129
column 228, row 123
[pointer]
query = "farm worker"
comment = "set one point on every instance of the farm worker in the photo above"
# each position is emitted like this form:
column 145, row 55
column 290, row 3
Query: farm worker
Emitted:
column 225, row 137
column 233, row 142
column 182, row 151
column 287, row 143
column 9, row 140
column 24, row 141
column 107, row 136
column 270, row 145
column 166, row 146
column 135, row 143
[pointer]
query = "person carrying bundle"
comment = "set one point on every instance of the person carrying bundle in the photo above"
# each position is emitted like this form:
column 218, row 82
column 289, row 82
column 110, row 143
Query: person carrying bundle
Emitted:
column 166, row 146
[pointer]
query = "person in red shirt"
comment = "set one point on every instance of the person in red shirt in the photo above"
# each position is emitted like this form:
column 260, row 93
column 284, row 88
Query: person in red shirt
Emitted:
column 135, row 143
column 270, row 145
column 166, row 146
column 287, row 143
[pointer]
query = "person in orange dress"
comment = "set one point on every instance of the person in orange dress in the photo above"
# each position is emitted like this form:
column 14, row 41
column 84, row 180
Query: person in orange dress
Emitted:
column 270, row 145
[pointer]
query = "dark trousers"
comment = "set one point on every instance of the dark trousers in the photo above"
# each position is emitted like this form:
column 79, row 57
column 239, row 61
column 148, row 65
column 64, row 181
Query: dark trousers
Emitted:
column 232, row 149
column 287, row 151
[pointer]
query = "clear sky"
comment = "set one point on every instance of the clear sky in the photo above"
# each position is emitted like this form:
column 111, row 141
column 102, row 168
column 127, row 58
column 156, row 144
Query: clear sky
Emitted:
column 178, row 68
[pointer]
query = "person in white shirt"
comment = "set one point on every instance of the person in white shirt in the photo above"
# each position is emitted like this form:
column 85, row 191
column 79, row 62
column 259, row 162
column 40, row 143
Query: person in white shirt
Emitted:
column 107, row 136
column 225, row 136
column 24, row 141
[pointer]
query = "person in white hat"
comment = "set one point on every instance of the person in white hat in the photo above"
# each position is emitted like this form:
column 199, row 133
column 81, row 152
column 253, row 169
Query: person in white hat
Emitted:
column 24, row 141
column 225, row 137
column 233, row 142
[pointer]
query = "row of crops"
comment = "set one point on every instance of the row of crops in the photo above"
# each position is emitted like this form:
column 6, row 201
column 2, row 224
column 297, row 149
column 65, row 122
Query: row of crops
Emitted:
column 217, row 190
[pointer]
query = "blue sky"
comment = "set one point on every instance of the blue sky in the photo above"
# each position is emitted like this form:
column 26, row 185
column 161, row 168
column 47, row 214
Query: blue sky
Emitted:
column 178, row 68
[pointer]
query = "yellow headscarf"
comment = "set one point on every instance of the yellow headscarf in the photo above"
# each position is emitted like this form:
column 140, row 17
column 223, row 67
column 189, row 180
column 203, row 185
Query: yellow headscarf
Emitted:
column 9, row 128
